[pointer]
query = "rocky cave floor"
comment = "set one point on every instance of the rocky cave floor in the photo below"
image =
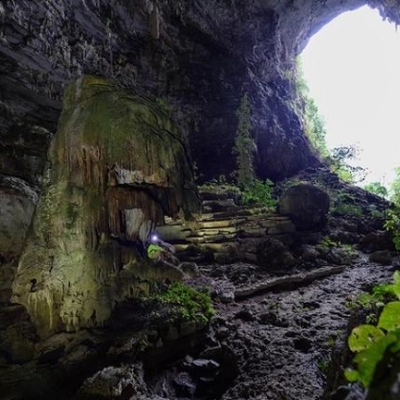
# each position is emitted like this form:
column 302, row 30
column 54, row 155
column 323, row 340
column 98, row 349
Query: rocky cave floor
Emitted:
column 274, row 345
column 273, row 341
column 283, row 340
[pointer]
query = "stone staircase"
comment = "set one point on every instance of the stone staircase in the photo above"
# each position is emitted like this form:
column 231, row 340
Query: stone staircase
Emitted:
column 225, row 231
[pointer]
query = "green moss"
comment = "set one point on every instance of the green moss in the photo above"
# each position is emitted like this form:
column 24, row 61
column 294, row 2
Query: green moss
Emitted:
column 192, row 304
column 71, row 215
column 120, row 124
column 107, row 147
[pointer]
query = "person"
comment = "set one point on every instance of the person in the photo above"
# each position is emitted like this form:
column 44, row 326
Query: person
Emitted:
column 159, row 250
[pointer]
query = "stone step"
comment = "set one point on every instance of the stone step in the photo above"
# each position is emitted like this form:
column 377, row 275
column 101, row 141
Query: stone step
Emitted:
column 210, row 239
column 204, row 246
column 216, row 231
column 223, row 223
column 221, row 203
column 213, row 196
column 240, row 211
column 249, row 233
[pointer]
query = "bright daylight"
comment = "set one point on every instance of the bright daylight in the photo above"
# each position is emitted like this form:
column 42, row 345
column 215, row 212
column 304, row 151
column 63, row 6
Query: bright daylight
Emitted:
column 352, row 69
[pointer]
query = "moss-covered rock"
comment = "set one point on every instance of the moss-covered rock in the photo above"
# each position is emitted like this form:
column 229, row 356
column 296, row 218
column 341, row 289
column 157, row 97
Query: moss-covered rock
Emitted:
column 118, row 165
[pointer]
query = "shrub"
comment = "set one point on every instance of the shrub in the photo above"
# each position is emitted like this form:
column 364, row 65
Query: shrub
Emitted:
column 376, row 188
column 374, row 343
column 344, row 204
column 259, row 193
column 327, row 243
column 392, row 224
column 191, row 304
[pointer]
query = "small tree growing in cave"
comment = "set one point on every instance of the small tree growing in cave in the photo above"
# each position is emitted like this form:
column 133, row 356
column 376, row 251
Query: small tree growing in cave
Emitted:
column 244, row 145
column 338, row 162
column 376, row 188
column 254, row 191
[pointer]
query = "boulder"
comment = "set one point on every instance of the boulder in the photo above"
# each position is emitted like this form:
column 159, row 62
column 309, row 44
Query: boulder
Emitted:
column 122, row 383
column 306, row 205
column 376, row 241
column 383, row 257
column 273, row 256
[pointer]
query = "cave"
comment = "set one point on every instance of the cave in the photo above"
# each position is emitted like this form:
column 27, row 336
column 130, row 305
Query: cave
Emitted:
column 181, row 70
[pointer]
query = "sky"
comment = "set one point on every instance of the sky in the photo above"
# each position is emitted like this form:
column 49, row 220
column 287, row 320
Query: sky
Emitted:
column 352, row 67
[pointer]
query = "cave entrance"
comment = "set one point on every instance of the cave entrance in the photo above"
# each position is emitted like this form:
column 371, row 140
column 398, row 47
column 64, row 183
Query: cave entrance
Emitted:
column 352, row 69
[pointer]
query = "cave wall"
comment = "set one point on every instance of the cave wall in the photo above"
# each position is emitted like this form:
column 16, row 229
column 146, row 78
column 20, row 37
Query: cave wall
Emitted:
column 200, row 56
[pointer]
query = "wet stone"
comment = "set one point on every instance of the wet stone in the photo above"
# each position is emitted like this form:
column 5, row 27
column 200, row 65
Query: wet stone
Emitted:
column 245, row 315
column 184, row 385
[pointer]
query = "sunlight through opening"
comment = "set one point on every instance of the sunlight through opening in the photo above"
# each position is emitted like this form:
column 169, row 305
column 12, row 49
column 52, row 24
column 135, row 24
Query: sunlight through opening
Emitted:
column 352, row 67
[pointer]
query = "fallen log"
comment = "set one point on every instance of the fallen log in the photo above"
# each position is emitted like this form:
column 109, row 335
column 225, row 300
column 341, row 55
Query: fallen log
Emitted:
column 284, row 281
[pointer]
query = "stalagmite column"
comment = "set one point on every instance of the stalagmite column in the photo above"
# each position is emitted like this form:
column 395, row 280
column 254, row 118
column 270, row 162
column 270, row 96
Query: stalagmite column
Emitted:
column 117, row 166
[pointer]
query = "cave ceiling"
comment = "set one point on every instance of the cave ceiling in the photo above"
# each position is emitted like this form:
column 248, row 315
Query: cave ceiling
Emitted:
column 199, row 55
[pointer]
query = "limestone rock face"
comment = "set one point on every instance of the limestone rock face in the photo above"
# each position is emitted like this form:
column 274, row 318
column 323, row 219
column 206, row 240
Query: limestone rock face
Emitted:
column 307, row 206
column 118, row 165
column 200, row 56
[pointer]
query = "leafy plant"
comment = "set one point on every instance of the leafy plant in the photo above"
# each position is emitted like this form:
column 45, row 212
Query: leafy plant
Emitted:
column 219, row 186
column 327, row 243
column 372, row 343
column 392, row 224
column 349, row 248
column 338, row 162
column 323, row 365
column 376, row 188
column 395, row 188
column 379, row 295
column 314, row 124
column 191, row 304
column 259, row 193
column 344, row 204
column 375, row 213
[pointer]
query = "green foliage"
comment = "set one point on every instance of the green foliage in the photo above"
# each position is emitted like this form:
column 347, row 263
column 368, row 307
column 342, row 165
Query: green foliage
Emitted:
column 314, row 128
column 327, row 243
column 376, row 188
column 372, row 343
column 362, row 336
column 375, row 213
column 344, row 204
column 349, row 248
column 395, row 188
column 314, row 124
column 323, row 365
column 338, row 162
column 380, row 294
column 392, row 224
column 259, row 193
column 244, row 145
column 349, row 209
column 192, row 305
column 219, row 186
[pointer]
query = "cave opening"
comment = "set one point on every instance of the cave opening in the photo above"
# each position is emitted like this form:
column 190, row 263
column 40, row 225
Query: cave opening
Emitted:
column 351, row 67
